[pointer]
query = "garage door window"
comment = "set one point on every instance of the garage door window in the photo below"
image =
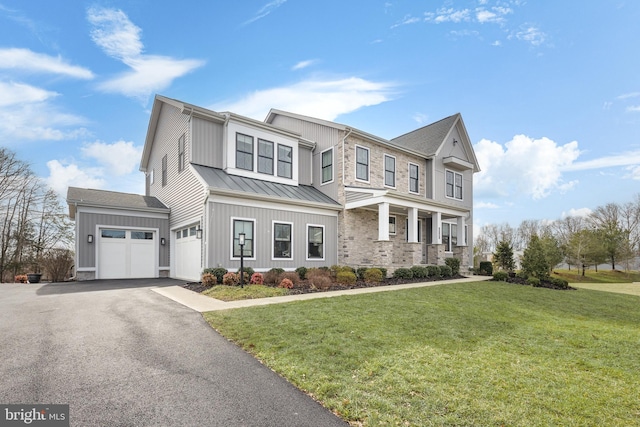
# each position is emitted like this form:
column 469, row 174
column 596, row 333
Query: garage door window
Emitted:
column 113, row 234
column 142, row 235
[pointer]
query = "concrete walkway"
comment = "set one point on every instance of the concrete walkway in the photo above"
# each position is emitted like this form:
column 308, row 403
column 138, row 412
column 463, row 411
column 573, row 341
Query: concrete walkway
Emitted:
column 202, row 303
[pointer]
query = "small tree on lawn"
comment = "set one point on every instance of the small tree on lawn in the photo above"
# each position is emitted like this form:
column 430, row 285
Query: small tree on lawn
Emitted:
column 503, row 256
column 534, row 261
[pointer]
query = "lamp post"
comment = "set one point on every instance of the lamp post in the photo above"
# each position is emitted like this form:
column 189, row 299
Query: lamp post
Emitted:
column 241, row 237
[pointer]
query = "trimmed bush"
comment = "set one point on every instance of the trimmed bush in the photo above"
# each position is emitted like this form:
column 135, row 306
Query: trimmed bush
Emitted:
column 360, row 272
column 219, row 272
column 346, row 278
column 403, row 273
column 559, row 283
column 257, row 279
column 247, row 271
column 419, row 272
column 445, row 271
column 534, row 281
column 271, row 277
column 276, row 270
column 384, row 272
column 433, row 271
column 291, row 275
column 209, row 279
column 454, row 264
column 286, row 283
column 230, row 279
column 319, row 278
column 302, row 272
column 373, row 275
column 500, row 276
column 485, row 268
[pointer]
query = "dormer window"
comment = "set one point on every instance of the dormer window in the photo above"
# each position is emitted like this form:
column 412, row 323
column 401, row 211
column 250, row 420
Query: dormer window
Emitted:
column 265, row 156
column 285, row 161
column 244, row 152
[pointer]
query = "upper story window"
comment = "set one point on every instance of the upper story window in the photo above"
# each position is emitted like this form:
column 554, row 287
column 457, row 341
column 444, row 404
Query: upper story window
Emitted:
column 327, row 166
column 244, row 151
column 164, row 170
column 414, row 178
column 362, row 163
column 265, row 156
column 389, row 171
column 285, row 161
column 181, row 153
column 454, row 185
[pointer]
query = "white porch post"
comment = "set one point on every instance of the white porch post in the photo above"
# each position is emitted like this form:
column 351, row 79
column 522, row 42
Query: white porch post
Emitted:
column 383, row 221
column 462, row 236
column 436, row 228
column 413, row 225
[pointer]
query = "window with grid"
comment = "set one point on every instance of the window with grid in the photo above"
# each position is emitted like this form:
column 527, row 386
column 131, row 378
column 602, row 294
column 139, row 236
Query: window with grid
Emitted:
column 244, row 152
column 282, row 240
column 246, row 227
column 362, row 163
column 285, row 161
column 265, row 156
column 454, row 185
column 327, row 166
column 315, row 242
column 389, row 171
column 414, row 178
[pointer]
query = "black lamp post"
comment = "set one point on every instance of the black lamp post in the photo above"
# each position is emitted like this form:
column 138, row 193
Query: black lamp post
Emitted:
column 241, row 243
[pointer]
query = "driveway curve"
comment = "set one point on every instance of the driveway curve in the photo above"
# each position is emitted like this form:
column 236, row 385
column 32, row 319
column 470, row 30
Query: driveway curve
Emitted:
column 122, row 355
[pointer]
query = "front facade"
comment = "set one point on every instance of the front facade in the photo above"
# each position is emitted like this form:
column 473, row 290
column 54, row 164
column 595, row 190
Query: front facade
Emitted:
column 303, row 191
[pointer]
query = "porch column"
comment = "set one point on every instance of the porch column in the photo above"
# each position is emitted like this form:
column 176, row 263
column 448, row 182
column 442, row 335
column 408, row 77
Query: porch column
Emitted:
column 413, row 225
column 383, row 221
column 462, row 236
column 436, row 228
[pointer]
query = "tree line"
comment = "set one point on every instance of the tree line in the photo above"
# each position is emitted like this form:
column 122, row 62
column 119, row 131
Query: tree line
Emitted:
column 35, row 231
column 610, row 234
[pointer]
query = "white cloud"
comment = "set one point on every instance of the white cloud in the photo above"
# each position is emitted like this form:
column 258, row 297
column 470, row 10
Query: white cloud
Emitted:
column 27, row 60
column 448, row 15
column 629, row 158
column 633, row 109
column 19, row 93
column 420, row 118
column 524, row 165
column 485, row 205
column 629, row 95
column 532, row 35
column 119, row 38
column 304, row 64
column 325, row 99
column 62, row 176
column 119, row 158
column 634, row 172
column 407, row 20
column 265, row 10
column 580, row 212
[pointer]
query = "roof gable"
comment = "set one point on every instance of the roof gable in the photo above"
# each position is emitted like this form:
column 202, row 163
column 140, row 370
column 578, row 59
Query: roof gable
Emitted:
column 112, row 199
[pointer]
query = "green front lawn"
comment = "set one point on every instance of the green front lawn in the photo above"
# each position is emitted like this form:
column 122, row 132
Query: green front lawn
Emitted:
column 602, row 276
column 478, row 354
column 234, row 293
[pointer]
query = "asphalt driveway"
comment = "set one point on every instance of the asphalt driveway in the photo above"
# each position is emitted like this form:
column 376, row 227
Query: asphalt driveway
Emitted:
column 122, row 355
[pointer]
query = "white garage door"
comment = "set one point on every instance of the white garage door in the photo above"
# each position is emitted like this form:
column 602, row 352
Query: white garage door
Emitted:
column 127, row 254
column 188, row 254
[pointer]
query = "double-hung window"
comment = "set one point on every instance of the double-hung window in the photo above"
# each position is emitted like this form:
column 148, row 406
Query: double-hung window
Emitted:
column 285, row 161
column 454, row 185
column 449, row 236
column 246, row 227
column 265, row 156
column 362, row 163
column 327, row 166
column 244, row 152
column 315, row 242
column 414, row 178
column 389, row 171
column 282, row 240
column 181, row 153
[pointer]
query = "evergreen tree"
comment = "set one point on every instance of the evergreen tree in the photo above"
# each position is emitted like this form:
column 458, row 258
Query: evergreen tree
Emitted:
column 534, row 261
column 503, row 256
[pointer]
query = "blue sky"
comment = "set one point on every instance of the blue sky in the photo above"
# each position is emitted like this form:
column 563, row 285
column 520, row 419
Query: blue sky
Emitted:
column 549, row 91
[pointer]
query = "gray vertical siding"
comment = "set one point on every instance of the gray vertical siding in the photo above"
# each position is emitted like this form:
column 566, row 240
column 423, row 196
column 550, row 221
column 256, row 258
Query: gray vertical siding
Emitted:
column 87, row 222
column 206, row 143
column 305, row 167
column 219, row 236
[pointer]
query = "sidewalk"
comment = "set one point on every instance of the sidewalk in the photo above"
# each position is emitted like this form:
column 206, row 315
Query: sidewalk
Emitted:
column 202, row 303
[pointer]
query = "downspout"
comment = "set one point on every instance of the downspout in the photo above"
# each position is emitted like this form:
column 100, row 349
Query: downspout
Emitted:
column 343, row 151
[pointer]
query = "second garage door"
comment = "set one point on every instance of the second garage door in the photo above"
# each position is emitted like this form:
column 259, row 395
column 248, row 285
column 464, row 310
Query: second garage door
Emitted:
column 127, row 254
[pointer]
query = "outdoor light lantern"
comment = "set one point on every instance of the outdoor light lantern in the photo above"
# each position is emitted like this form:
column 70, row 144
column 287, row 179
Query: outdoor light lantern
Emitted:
column 90, row 238
column 199, row 233
column 163, row 241
column 241, row 237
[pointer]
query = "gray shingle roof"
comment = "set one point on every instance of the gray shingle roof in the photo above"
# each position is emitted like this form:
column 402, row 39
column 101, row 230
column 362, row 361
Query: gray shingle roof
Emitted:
column 113, row 199
column 219, row 179
column 428, row 139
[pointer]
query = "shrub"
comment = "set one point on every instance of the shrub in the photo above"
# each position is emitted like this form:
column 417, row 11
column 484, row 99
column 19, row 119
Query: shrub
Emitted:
column 277, row 270
column 403, row 273
column 559, row 283
column 57, row 263
column 372, row 275
column 454, row 264
column 245, row 277
column 384, row 272
column 534, row 281
column 247, row 271
column 21, row 278
column 209, row 279
column 302, row 272
column 286, row 283
column 433, row 271
column 346, row 277
column 319, row 278
column 485, row 268
column 419, row 272
column 291, row 275
column 257, row 279
column 335, row 269
column 445, row 271
column 534, row 261
column 360, row 272
column 230, row 279
column 271, row 277
column 500, row 276
column 219, row 272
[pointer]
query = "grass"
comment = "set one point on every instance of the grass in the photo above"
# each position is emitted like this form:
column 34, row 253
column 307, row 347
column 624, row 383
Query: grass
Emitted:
column 461, row 354
column 602, row 276
column 234, row 293
column 621, row 288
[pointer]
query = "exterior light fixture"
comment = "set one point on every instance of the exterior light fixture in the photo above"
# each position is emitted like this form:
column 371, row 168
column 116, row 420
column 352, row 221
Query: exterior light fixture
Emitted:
column 90, row 238
column 199, row 233
column 163, row 241
column 241, row 242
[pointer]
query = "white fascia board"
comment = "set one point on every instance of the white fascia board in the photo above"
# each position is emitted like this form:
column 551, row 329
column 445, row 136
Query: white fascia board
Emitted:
column 92, row 209
column 407, row 201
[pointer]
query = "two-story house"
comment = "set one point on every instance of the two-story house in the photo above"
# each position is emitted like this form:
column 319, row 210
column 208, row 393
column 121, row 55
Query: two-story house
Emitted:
column 302, row 192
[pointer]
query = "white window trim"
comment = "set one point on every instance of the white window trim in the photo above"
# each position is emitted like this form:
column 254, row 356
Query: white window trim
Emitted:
column 395, row 170
column 255, row 246
column 395, row 225
column 277, row 161
column 273, row 229
column 273, row 155
column 454, row 185
column 332, row 166
column 355, row 163
column 324, row 242
column 409, row 177
column 254, row 163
